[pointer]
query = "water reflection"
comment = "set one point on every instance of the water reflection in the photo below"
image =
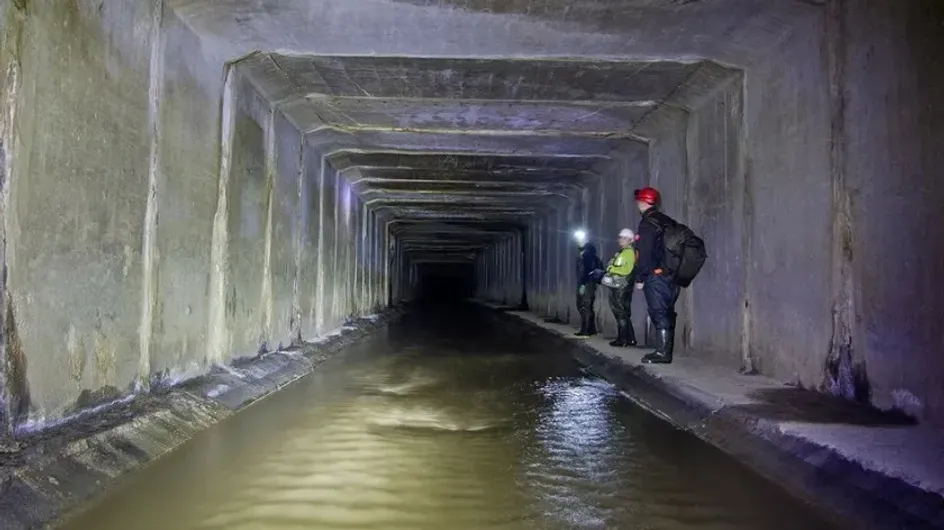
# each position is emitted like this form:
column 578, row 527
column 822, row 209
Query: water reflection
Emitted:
column 575, row 454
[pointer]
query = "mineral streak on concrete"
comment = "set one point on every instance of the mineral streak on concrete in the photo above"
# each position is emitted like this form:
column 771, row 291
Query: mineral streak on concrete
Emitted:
column 58, row 471
column 877, row 470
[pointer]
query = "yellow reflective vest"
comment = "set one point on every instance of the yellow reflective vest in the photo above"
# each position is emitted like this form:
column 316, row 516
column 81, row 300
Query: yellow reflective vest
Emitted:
column 622, row 263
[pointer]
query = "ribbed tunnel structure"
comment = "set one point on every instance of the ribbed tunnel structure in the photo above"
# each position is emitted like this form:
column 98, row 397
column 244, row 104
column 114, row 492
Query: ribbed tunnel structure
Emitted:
column 191, row 182
column 460, row 156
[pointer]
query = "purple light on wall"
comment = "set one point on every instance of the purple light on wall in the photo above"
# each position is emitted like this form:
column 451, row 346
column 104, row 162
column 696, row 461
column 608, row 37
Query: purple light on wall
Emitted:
column 346, row 198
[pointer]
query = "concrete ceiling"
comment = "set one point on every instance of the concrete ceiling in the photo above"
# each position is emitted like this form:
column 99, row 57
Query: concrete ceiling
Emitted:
column 460, row 138
column 465, row 139
column 482, row 79
column 730, row 31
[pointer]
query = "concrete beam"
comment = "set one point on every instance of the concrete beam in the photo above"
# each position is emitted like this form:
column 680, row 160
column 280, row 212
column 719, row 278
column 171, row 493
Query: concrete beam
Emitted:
column 507, row 78
column 495, row 162
column 449, row 214
column 573, row 117
column 384, row 185
column 331, row 141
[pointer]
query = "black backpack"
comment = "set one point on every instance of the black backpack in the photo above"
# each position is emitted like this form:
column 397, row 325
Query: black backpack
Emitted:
column 684, row 253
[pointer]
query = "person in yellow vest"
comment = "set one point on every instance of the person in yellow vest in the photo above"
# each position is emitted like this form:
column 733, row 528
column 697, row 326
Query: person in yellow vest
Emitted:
column 619, row 279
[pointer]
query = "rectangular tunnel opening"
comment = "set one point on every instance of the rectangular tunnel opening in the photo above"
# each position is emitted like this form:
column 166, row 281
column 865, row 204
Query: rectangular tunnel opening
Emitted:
column 445, row 283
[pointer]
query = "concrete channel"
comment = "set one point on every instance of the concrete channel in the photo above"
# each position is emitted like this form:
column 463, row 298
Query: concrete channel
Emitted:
column 844, row 459
column 64, row 470
column 59, row 471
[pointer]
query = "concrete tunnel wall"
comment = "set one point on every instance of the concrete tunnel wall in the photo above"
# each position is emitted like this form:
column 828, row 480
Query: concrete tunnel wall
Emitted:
column 812, row 180
column 291, row 218
column 131, row 259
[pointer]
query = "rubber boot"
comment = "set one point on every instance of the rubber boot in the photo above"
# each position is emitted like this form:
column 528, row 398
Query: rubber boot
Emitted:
column 591, row 324
column 665, row 343
column 630, row 338
column 584, row 326
column 620, row 341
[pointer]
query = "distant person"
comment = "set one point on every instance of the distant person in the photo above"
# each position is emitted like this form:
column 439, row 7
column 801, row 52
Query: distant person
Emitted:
column 619, row 280
column 669, row 257
column 588, row 275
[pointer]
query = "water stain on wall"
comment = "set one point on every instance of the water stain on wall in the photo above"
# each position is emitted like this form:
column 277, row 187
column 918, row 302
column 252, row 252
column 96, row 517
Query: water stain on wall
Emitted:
column 17, row 394
column 104, row 351
column 77, row 357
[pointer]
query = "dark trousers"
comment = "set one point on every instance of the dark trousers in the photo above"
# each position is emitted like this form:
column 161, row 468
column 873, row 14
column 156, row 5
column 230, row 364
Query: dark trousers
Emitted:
column 661, row 295
column 621, row 302
column 585, row 307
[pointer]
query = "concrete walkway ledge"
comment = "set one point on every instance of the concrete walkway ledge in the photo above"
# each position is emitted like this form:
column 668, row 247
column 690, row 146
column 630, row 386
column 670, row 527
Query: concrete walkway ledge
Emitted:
column 863, row 468
column 55, row 473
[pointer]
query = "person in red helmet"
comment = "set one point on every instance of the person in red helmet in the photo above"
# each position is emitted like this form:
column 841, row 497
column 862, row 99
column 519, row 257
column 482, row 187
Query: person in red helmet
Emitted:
column 652, row 278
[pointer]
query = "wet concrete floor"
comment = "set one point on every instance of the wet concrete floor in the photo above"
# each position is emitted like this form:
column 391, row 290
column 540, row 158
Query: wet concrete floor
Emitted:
column 443, row 422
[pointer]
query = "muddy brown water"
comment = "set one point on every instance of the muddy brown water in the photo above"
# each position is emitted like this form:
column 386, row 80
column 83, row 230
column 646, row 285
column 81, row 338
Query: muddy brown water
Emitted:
column 442, row 422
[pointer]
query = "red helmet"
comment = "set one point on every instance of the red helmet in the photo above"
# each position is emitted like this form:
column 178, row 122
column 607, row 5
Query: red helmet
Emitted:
column 648, row 196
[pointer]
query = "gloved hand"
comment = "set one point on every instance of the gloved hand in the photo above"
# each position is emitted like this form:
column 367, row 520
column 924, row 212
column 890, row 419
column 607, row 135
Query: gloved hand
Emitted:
column 597, row 275
column 582, row 289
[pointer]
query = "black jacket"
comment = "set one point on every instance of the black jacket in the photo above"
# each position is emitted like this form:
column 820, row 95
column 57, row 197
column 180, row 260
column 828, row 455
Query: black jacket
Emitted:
column 649, row 243
column 587, row 262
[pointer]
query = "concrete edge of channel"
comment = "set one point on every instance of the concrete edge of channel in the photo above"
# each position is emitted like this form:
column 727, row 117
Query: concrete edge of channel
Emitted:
column 840, row 489
column 61, row 473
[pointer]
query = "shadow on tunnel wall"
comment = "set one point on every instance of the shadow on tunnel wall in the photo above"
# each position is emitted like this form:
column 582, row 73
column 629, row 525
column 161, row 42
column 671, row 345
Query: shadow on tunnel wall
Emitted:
column 801, row 405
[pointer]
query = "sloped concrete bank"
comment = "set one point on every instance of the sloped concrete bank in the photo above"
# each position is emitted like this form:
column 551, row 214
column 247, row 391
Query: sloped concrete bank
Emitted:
column 54, row 473
column 865, row 468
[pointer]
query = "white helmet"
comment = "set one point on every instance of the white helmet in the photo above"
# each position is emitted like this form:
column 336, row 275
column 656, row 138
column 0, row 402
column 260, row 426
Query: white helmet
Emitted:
column 628, row 234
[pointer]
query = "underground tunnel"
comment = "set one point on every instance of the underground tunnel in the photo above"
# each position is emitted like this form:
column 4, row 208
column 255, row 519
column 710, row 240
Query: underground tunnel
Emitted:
column 358, row 201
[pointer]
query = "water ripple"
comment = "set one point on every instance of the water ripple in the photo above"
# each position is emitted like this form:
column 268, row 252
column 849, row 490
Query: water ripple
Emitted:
column 453, row 441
